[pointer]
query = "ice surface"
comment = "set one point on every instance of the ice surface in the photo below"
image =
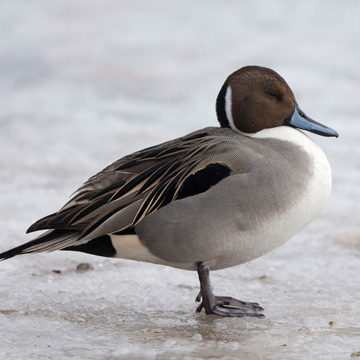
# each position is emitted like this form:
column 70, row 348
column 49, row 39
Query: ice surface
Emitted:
column 84, row 83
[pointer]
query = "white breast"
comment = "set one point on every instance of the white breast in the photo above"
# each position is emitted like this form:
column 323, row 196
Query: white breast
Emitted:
column 282, row 227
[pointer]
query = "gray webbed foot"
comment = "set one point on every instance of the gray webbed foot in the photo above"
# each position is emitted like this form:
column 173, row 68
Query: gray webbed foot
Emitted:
column 222, row 305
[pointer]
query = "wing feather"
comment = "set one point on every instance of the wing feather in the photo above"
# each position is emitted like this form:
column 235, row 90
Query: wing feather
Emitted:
column 135, row 186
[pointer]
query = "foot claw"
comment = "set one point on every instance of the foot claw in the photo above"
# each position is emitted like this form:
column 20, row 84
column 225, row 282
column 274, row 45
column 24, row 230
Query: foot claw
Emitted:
column 199, row 308
column 230, row 307
column 235, row 303
column 234, row 312
column 222, row 305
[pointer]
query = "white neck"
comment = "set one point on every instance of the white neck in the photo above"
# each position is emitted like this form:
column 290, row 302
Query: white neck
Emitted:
column 284, row 132
column 228, row 110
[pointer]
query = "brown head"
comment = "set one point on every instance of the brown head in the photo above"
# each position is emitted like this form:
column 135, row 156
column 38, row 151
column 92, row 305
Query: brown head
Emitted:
column 254, row 98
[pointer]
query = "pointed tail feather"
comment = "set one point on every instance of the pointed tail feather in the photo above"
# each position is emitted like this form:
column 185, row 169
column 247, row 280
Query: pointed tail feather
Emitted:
column 49, row 241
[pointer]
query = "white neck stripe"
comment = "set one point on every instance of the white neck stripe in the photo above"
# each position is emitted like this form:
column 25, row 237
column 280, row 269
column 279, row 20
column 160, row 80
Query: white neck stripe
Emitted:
column 228, row 109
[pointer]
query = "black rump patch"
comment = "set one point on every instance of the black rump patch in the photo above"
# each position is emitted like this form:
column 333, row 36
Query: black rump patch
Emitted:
column 203, row 180
column 101, row 246
column 128, row 231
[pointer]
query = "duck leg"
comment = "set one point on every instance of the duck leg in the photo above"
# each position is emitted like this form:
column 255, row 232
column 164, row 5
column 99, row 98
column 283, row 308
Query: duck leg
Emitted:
column 222, row 305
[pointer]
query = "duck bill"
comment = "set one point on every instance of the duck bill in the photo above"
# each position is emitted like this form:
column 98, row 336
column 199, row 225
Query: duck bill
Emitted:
column 301, row 121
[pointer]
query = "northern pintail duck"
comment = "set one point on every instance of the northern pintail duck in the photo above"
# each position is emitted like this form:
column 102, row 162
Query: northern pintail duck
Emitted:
column 218, row 197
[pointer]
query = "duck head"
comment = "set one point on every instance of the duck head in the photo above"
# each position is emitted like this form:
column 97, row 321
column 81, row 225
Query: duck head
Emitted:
column 254, row 98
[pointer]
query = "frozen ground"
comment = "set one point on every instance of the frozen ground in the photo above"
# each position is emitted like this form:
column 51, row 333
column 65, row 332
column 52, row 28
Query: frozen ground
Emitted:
column 83, row 83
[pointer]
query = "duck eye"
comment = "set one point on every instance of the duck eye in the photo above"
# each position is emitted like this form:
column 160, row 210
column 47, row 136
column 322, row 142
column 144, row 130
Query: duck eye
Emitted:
column 272, row 93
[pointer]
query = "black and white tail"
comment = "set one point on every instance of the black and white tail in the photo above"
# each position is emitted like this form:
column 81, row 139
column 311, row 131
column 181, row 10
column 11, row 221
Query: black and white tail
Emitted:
column 49, row 241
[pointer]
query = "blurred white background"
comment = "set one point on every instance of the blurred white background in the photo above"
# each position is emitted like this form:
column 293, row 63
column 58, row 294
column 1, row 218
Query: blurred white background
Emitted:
column 83, row 83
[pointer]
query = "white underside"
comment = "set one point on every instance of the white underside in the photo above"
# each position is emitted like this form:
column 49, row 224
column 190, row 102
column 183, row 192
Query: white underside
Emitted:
column 131, row 248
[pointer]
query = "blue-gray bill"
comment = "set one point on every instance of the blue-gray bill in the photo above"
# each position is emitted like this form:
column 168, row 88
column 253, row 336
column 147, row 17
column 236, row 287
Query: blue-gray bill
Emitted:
column 301, row 121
